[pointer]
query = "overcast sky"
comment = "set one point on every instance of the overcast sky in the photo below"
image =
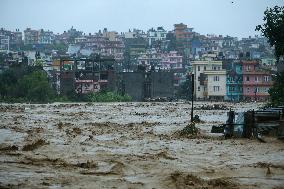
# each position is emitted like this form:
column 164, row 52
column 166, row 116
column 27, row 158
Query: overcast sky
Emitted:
column 205, row 16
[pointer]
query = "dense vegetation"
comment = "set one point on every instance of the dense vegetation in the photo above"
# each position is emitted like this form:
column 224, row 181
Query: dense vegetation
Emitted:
column 273, row 29
column 102, row 96
column 277, row 91
column 107, row 96
column 184, row 90
column 28, row 85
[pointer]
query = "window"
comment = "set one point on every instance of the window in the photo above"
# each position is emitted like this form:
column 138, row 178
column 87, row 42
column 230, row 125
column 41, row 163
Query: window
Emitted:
column 248, row 90
column 204, row 68
column 216, row 88
column 256, row 90
column 247, row 78
column 198, row 68
column 256, row 79
column 266, row 78
column 198, row 88
column 230, row 79
column 248, row 68
column 231, row 89
column 216, row 78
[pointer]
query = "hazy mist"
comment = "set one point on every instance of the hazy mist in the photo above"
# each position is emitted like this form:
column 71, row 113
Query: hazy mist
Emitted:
column 227, row 17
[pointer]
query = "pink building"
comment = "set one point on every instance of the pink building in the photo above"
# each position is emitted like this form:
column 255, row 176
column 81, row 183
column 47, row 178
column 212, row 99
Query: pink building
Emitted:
column 256, row 82
column 171, row 60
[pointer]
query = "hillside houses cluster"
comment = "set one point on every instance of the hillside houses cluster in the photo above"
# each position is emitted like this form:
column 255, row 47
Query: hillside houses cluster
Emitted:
column 225, row 67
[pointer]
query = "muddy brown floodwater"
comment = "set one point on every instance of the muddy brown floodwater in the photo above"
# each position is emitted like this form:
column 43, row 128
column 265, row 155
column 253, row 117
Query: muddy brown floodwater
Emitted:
column 130, row 145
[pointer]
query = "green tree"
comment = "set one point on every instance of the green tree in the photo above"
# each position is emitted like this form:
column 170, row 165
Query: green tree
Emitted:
column 273, row 29
column 8, row 81
column 183, row 91
column 38, row 62
column 35, row 87
column 277, row 91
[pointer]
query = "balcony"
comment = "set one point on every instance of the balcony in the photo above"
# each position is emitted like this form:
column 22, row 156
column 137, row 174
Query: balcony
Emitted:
column 234, row 82
column 205, row 82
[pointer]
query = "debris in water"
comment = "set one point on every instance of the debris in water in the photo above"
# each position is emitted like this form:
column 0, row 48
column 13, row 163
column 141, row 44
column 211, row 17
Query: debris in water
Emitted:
column 34, row 145
column 189, row 130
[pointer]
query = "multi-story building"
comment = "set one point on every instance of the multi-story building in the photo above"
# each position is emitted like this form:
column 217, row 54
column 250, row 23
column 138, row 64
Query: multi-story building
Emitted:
column 158, row 61
column 135, row 33
column 16, row 37
column 45, row 37
column 209, row 79
column 234, row 82
column 30, row 36
column 171, row 60
column 184, row 36
column 10, row 39
column 80, row 40
column 150, row 59
column 68, row 37
column 110, row 35
column 182, row 32
column 4, row 43
column 256, row 81
column 156, row 35
column 133, row 49
column 33, row 37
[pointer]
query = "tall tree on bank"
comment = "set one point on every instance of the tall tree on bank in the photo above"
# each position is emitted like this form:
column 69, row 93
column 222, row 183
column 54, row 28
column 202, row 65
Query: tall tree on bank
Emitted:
column 277, row 91
column 273, row 29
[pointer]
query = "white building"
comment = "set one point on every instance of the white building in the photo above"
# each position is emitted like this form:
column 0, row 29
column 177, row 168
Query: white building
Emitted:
column 134, row 34
column 210, row 79
column 73, row 49
column 130, row 35
column 45, row 37
column 150, row 58
column 156, row 35
column 4, row 43
column 80, row 40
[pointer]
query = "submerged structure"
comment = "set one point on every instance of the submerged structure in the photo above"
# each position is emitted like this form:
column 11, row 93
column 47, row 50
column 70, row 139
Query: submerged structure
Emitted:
column 253, row 123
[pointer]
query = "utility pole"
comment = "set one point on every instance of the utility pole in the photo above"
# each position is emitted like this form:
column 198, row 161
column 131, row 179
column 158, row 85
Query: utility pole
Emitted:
column 192, row 92
column 255, row 91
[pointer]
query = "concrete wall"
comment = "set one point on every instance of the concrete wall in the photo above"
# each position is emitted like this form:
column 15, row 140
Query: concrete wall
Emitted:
column 67, row 82
column 133, row 83
column 160, row 84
